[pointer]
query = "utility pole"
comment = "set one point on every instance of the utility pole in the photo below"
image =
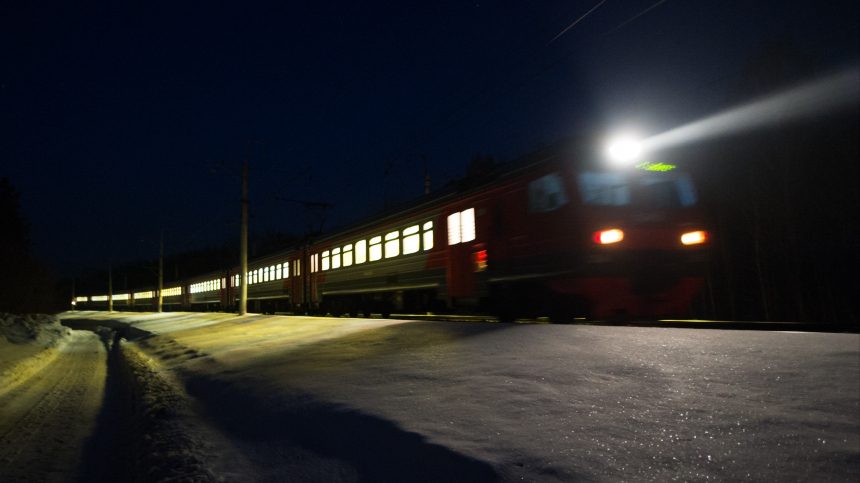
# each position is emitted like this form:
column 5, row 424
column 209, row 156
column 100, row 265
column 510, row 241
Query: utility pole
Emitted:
column 243, row 239
column 110, row 288
column 160, row 270
column 243, row 236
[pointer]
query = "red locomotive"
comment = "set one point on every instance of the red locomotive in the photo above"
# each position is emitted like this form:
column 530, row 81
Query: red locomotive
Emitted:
column 546, row 235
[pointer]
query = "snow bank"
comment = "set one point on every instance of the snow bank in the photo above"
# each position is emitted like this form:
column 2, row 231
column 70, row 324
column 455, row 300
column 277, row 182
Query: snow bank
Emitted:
column 156, row 442
column 40, row 329
column 27, row 344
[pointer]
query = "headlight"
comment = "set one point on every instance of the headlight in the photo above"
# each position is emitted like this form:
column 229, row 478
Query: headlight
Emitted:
column 694, row 237
column 608, row 236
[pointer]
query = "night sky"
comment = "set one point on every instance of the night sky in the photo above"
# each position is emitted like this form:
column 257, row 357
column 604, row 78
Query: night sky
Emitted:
column 109, row 111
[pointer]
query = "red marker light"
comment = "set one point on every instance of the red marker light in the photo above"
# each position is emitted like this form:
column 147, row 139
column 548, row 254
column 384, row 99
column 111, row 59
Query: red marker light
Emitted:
column 608, row 236
column 694, row 237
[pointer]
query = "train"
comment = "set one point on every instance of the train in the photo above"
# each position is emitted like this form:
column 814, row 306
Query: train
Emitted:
column 554, row 234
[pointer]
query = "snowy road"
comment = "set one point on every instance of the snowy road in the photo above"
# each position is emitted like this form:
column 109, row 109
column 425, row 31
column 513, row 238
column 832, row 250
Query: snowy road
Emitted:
column 45, row 421
column 323, row 399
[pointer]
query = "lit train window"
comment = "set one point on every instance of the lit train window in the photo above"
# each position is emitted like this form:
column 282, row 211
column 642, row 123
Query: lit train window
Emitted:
column 347, row 255
column 411, row 240
column 467, row 224
column 259, row 275
column 454, row 228
column 375, row 248
column 326, row 260
column 278, row 271
column 392, row 244
column 298, row 268
column 286, row 269
column 360, row 251
column 461, row 227
column 428, row 235
column 335, row 258
column 266, row 272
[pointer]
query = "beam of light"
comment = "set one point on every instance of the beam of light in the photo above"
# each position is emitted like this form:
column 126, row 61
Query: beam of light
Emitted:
column 829, row 94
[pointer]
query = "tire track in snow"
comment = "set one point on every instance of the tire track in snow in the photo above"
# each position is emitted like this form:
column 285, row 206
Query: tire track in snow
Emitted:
column 45, row 420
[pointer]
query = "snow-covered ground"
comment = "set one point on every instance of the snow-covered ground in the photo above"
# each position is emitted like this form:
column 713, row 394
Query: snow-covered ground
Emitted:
column 385, row 400
column 47, row 418
column 27, row 344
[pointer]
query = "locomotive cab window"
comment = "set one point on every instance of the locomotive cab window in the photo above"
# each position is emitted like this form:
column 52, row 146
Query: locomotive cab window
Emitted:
column 546, row 194
column 663, row 190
